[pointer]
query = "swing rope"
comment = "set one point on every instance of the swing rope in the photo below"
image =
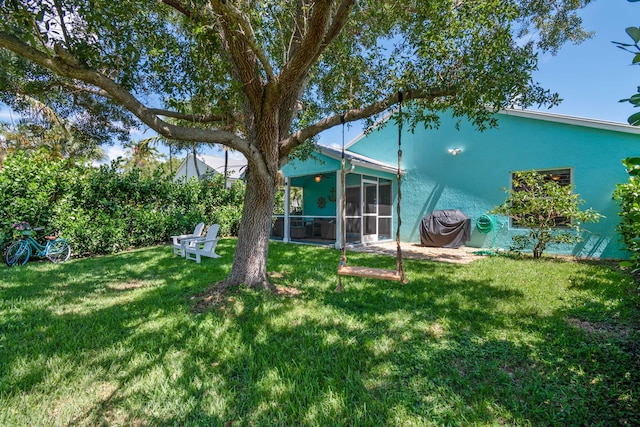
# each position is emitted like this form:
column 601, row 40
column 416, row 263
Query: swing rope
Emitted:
column 343, row 270
column 343, row 208
column 399, row 263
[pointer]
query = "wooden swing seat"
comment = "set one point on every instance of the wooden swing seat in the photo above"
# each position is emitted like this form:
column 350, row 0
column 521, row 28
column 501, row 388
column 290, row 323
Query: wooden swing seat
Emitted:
column 369, row 272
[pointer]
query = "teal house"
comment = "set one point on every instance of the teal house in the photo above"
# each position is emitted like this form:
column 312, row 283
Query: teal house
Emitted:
column 457, row 168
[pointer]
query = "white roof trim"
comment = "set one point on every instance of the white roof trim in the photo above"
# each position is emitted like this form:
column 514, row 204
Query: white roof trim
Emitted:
column 536, row 115
column 572, row 120
column 371, row 128
column 358, row 159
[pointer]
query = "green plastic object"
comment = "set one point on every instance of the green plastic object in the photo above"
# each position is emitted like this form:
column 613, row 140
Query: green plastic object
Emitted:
column 485, row 224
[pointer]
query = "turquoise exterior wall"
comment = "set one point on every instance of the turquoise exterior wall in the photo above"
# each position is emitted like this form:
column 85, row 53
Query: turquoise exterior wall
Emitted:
column 316, row 192
column 302, row 175
column 472, row 181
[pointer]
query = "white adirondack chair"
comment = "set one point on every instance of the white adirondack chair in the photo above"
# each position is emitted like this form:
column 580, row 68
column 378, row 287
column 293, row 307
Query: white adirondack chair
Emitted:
column 178, row 241
column 203, row 246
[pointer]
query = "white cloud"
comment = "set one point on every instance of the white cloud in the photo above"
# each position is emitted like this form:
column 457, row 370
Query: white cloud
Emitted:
column 114, row 151
column 111, row 153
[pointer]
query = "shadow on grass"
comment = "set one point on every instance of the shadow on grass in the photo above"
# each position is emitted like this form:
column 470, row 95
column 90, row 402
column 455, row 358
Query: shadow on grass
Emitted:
column 116, row 337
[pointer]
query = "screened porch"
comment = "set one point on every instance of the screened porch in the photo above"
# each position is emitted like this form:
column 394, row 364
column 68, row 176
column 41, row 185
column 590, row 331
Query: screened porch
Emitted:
column 310, row 205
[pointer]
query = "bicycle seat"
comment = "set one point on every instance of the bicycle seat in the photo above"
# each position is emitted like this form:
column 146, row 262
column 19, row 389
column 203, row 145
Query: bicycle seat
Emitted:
column 50, row 237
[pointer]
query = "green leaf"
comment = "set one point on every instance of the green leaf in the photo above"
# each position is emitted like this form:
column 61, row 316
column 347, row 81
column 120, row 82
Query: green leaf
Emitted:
column 634, row 33
column 634, row 119
column 635, row 99
column 636, row 59
column 630, row 162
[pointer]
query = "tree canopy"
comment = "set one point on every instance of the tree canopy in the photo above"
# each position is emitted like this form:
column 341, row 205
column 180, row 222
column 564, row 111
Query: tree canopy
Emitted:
column 264, row 77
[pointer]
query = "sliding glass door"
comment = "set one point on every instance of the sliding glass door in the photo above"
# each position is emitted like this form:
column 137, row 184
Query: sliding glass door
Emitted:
column 369, row 210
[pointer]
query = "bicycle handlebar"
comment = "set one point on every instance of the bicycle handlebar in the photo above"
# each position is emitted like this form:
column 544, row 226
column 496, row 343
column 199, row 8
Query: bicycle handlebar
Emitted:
column 38, row 228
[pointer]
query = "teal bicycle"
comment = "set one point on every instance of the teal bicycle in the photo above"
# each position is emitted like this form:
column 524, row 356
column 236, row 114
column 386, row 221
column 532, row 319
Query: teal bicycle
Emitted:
column 55, row 249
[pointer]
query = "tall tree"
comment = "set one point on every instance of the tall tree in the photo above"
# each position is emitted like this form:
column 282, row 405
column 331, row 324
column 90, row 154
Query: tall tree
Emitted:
column 233, row 72
column 44, row 129
column 142, row 154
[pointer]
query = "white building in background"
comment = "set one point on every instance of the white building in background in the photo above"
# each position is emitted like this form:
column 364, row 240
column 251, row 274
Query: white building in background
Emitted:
column 203, row 164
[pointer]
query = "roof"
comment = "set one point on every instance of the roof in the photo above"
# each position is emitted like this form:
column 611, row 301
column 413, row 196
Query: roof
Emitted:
column 358, row 159
column 236, row 166
column 540, row 115
column 572, row 120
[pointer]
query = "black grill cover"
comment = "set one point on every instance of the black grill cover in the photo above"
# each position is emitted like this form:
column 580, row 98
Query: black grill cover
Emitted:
column 445, row 229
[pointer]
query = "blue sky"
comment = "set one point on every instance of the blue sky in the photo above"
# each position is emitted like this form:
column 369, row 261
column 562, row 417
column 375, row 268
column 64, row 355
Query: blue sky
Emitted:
column 593, row 76
column 590, row 77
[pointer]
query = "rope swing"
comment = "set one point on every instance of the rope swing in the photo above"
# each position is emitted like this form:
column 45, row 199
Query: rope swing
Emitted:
column 373, row 273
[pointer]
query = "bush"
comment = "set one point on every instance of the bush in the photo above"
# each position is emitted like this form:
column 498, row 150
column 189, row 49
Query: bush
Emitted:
column 31, row 184
column 628, row 195
column 539, row 204
column 105, row 210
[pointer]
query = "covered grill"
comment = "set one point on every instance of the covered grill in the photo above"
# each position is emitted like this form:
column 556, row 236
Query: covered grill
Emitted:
column 445, row 229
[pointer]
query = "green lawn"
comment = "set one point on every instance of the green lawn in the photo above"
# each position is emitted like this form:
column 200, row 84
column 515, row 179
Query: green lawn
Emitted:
column 115, row 340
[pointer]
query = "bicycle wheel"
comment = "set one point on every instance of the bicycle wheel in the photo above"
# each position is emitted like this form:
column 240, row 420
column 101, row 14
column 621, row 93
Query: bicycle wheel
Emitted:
column 17, row 253
column 58, row 251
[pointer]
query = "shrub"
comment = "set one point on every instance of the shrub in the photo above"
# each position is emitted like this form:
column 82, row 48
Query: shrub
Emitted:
column 105, row 210
column 550, row 212
column 30, row 185
column 628, row 195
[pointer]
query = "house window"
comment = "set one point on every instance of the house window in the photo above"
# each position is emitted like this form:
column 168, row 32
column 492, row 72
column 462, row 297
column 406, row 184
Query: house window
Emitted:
column 562, row 177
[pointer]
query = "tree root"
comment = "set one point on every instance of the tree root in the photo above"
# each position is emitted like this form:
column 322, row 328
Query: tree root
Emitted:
column 216, row 295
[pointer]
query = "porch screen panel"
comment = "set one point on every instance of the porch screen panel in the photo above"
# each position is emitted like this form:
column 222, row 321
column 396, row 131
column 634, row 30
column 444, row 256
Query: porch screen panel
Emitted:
column 370, row 198
column 353, row 214
column 384, row 192
column 385, row 206
column 353, row 229
column 353, row 201
column 384, row 229
column 370, row 225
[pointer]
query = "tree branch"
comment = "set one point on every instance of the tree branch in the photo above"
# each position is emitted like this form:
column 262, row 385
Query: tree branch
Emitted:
column 310, row 41
column 309, row 46
column 68, row 66
column 187, row 12
column 244, row 62
column 249, row 38
column 340, row 19
column 197, row 118
column 299, row 137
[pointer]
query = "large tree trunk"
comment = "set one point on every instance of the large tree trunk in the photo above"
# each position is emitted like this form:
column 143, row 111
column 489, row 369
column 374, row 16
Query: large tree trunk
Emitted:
column 250, row 261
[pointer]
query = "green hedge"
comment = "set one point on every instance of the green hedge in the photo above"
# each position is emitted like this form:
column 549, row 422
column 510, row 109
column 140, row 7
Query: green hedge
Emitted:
column 105, row 210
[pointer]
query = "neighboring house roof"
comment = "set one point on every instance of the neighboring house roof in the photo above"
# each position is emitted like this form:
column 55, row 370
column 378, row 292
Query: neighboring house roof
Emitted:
column 236, row 166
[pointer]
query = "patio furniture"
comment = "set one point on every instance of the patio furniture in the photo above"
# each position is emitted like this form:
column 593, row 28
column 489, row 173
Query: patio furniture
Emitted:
column 328, row 230
column 197, row 247
column 297, row 230
column 178, row 247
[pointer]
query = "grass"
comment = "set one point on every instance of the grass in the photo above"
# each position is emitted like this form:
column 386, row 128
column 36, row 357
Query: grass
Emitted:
column 115, row 340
